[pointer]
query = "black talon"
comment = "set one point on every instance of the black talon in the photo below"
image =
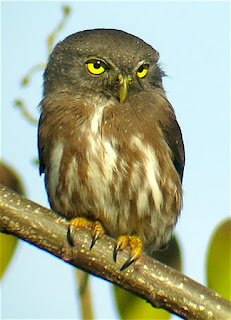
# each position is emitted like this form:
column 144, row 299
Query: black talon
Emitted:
column 128, row 262
column 94, row 239
column 69, row 236
column 116, row 250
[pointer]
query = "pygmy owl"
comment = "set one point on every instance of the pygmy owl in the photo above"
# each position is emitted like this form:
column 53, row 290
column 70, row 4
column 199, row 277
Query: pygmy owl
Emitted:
column 109, row 142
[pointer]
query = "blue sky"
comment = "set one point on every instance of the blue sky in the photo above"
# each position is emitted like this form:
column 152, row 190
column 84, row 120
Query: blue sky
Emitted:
column 193, row 40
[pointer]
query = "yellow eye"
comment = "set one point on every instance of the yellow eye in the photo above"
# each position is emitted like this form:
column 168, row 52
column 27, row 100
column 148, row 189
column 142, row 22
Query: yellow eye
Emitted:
column 142, row 71
column 96, row 66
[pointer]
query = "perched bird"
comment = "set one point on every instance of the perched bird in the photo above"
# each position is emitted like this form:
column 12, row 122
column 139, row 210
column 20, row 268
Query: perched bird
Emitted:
column 109, row 142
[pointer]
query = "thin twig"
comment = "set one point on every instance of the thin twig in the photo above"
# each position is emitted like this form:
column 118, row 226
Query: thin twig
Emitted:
column 66, row 10
column 52, row 36
column 26, row 114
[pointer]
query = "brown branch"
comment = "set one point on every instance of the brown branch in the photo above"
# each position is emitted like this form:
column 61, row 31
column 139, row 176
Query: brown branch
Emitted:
column 162, row 286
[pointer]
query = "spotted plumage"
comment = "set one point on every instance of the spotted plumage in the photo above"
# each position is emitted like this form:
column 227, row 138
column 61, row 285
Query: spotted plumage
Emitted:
column 109, row 143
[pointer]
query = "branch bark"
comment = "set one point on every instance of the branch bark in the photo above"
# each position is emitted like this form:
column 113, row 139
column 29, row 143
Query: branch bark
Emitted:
column 159, row 284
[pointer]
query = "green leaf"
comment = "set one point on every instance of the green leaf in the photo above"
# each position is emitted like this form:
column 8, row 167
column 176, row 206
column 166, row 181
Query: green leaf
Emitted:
column 10, row 178
column 219, row 260
column 8, row 245
column 132, row 307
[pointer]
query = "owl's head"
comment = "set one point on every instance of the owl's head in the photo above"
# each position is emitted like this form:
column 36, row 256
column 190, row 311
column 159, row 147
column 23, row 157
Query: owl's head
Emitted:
column 112, row 63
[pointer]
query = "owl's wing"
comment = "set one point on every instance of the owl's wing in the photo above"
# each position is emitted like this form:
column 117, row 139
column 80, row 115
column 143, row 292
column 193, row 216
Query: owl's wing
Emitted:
column 40, row 149
column 174, row 139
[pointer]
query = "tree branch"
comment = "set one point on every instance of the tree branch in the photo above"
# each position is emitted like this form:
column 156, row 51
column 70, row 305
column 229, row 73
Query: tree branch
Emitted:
column 162, row 286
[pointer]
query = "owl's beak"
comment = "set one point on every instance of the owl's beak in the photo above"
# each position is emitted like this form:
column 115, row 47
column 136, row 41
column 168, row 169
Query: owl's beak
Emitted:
column 124, row 82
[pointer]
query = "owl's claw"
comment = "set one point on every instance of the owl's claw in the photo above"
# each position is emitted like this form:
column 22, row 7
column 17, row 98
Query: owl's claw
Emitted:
column 97, row 230
column 116, row 250
column 93, row 241
column 128, row 262
column 70, row 235
column 136, row 245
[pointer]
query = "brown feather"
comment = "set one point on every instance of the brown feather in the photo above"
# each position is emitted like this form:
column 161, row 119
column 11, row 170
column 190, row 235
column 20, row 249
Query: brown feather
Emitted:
column 119, row 163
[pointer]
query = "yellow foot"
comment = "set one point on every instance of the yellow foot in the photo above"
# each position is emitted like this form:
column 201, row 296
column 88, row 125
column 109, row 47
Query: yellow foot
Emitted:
column 136, row 245
column 96, row 229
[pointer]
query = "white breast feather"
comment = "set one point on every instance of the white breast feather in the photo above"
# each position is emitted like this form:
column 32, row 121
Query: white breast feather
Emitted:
column 102, row 158
column 96, row 195
column 152, row 172
column 55, row 161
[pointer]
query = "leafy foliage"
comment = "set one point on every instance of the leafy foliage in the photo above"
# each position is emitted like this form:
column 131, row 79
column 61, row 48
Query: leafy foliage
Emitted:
column 11, row 179
column 219, row 260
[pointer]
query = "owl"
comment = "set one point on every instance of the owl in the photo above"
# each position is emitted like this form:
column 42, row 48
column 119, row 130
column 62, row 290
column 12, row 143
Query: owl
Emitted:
column 109, row 143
